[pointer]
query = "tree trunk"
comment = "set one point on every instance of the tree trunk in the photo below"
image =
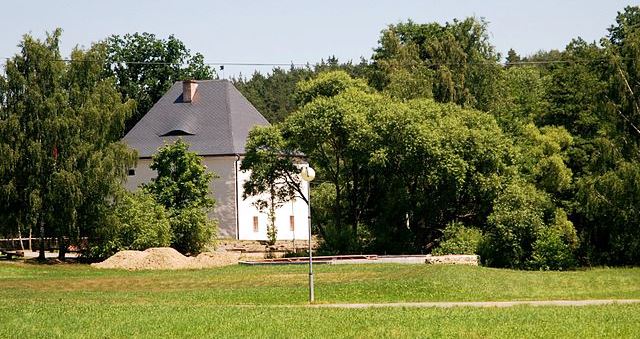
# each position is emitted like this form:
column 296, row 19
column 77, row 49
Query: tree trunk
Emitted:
column 41, row 255
column 355, row 200
column 20, row 238
column 336, row 206
column 62, row 248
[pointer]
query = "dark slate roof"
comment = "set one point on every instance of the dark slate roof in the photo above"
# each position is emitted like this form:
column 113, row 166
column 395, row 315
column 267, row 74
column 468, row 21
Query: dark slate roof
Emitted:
column 216, row 122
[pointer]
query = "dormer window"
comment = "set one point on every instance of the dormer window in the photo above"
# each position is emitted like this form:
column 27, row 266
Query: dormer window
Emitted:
column 176, row 132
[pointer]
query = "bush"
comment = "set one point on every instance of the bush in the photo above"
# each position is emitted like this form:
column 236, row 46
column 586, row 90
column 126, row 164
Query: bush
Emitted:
column 192, row 230
column 556, row 245
column 458, row 239
column 143, row 222
column 182, row 187
column 339, row 241
column 526, row 231
column 138, row 223
column 518, row 215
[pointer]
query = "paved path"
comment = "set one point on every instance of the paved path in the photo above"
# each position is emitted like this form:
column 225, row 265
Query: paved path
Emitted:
column 446, row 304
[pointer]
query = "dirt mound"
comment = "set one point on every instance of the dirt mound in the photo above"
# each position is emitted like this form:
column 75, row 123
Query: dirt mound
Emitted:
column 166, row 258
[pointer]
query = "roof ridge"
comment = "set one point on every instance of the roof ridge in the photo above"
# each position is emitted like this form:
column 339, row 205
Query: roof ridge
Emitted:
column 203, row 80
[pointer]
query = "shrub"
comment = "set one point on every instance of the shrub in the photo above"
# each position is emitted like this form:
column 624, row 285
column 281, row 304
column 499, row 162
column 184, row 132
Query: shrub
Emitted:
column 458, row 239
column 143, row 222
column 556, row 245
column 192, row 230
column 338, row 241
column 138, row 223
column 518, row 215
column 526, row 231
column 182, row 187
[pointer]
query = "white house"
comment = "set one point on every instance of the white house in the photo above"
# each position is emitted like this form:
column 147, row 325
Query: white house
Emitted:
column 215, row 119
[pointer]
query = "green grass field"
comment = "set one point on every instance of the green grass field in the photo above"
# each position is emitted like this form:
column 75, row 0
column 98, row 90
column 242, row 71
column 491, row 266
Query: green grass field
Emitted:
column 79, row 301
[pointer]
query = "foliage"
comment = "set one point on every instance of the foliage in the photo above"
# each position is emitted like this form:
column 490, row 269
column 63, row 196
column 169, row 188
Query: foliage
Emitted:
column 334, row 240
column 523, row 97
column 525, row 230
column 458, row 239
column 182, row 180
column 454, row 61
column 518, row 215
column 60, row 125
column 192, row 230
column 182, row 187
column 397, row 166
column 327, row 84
column 610, row 202
column 387, row 162
column 141, row 223
column 555, row 246
column 544, row 157
column 406, row 76
column 145, row 66
column 272, row 94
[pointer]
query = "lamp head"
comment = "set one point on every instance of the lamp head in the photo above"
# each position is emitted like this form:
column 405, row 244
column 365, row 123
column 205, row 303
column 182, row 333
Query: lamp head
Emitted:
column 308, row 174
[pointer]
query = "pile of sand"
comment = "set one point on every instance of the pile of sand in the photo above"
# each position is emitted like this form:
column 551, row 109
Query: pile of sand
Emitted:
column 166, row 258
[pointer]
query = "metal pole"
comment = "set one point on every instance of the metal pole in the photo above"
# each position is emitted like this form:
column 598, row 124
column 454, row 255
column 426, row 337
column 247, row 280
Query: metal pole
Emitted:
column 311, row 294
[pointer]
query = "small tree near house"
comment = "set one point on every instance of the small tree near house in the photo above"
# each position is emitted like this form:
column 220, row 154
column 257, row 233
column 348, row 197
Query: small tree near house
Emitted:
column 182, row 186
column 273, row 171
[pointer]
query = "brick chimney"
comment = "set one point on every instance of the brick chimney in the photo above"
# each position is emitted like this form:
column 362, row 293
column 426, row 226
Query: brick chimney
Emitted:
column 188, row 90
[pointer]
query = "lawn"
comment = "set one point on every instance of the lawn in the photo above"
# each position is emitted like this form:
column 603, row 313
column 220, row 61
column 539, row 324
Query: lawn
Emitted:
column 79, row 301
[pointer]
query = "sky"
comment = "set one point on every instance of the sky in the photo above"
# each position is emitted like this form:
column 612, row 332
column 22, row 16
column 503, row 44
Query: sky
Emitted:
column 300, row 31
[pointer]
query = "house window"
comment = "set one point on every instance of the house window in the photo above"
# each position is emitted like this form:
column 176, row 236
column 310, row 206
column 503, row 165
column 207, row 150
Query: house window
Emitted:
column 132, row 172
column 255, row 224
column 292, row 223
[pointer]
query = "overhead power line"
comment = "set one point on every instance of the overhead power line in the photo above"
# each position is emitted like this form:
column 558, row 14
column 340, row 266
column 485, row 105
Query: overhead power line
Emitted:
column 309, row 64
column 173, row 63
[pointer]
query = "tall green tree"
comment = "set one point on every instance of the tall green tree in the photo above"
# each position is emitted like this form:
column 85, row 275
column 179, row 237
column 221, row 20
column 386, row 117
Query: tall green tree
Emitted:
column 273, row 95
column 398, row 171
column 182, row 187
column 60, row 124
column 462, row 64
column 145, row 66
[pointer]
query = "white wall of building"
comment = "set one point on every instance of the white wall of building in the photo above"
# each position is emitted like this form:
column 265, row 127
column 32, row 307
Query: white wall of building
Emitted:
column 296, row 208
column 225, row 191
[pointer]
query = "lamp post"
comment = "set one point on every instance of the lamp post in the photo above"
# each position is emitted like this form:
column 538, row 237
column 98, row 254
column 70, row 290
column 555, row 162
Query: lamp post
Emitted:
column 308, row 174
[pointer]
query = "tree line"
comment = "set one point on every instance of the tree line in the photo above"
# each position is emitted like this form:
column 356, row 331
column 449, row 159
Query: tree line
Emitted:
column 61, row 124
column 430, row 145
column 433, row 143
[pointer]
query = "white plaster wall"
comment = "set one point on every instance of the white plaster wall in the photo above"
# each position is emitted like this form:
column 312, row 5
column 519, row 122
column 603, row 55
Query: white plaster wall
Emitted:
column 297, row 208
column 143, row 174
column 225, row 190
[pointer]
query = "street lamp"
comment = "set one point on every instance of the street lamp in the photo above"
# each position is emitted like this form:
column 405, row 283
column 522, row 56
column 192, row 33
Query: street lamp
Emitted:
column 308, row 174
